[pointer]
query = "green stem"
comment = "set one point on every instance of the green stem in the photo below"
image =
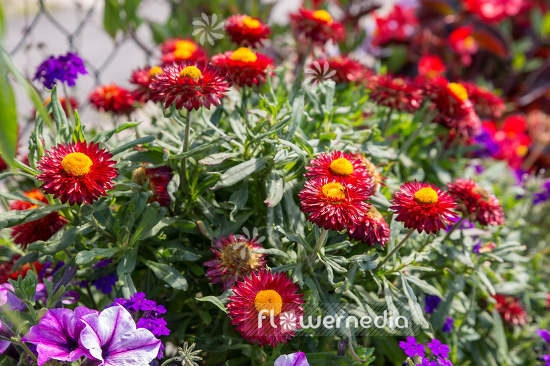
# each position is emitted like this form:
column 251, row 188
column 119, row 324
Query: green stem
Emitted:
column 386, row 123
column 22, row 344
column 68, row 103
column 183, row 174
column 318, row 245
column 455, row 226
column 173, row 359
column 397, row 247
column 407, row 144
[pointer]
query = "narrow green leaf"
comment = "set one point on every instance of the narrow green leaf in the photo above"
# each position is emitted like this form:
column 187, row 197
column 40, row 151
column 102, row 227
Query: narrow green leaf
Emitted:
column 296, row 115
column 168, row 274
column 214, row 300
column 241, row 171
column 275, row 190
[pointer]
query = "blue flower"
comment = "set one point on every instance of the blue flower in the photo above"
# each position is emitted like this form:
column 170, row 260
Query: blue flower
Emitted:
column 432, row 302
column 62, row 68
column 412, row 348
column 544, row 195
column 157, row 326
column 105, row 284
column 439, row 349
column 448, row 326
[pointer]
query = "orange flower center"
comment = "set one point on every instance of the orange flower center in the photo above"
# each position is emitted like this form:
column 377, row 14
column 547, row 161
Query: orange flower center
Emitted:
column 155, row 70
column 268, row 300
column 341, row 166
column 323, row 16
column 184, row 49
column 238, row 255
column 191, row 72
column 522, row 150
column 469, row 42
column 426, row 196
column 251, row 23
column 458, row 91
column 334, row 191
column 35, row 194
column 77, row 164
column 243, row 54
column 373, row 213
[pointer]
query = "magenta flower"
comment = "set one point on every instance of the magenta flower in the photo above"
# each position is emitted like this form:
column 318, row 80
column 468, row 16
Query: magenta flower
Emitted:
column 3, row 295
column 427, row 362
column 541, row 332
column 412, row 348
column 293, row 359
column 57, row 333
column 438, row 349
column 112, row 339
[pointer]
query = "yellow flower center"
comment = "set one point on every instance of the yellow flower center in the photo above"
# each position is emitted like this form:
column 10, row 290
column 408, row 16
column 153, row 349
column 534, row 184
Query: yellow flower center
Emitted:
column 243, row 54
column 184, row 49
column 341, row 166
column 469, row 42
column 268, row 300
column 426, row 196
column 191, row 72
column 323, row 16
column 78, row 164
column 334, row 191
column 251, row 23
column 522, row 150
column 458, row 90
column 155, row 70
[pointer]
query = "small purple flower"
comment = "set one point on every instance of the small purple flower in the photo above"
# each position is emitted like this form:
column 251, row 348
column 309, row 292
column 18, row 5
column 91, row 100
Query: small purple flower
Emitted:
column 157, row 326
column 62, row 68
column 444, row 362
column 412, row 348
column 432, row 302
column 102, row 263
column 544, row 334
column 7, row 334
column 426, row 362
column 139, row 302
column 105, row 284
column 57, row 333
column 448, row 326
column 543, row 195
column 293, row 359
column 112, row 339
column 477, row 247
column 439, row 349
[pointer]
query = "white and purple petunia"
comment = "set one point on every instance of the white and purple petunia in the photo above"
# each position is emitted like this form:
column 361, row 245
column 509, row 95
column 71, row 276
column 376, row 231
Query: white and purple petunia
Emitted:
column 112, row 339
column 293, row 359
column 3, row 295
column 57, row 333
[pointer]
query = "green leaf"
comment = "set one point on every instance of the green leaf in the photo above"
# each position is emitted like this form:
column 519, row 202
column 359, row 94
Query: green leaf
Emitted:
column 168, row 274
column 296, row 115
column 500, row 336
column 61, row 240
column 275, row 190
column 129, row 145
column 204, row 147
column 424, row 286
column 241, row 171
column 238, row 199
column 8, row 118
column 416, row 310
column 214, row 300
column 217, row 158
column 104, row 136
column 111, row 17
column 87, row 256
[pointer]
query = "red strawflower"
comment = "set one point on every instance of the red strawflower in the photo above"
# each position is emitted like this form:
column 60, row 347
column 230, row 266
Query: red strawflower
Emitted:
column 510, row 310
column 493, row 11
column 395, row 92
column 340, row 167
column 317, row 26
column 476, row 203
column 158, row 179
column 234, row 259
column 7, row 271
column 112, row 98
column 244, row 66
column 455, row 109
column 398, row 26
column 372, row 229
column 423, row 207
column 77, row 173
column 486, row 103
column 334, row 205
column 511, row 139
column 431, row 66
column 177, row 50
column 246, row 31
column 272, row 294
column 462, row 42
column 190, row 85
column 347, row 69
column 142, row 78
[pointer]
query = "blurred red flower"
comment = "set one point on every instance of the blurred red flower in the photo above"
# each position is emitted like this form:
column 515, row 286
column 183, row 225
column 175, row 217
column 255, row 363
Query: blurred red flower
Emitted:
column 463, row 43
column 431, row 66
column 493, row 11
column 397, row 26
column 511, row 138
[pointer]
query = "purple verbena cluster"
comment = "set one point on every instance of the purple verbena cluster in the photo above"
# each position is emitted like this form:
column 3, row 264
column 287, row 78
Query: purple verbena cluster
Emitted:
column 439, row 352
column 63, row 68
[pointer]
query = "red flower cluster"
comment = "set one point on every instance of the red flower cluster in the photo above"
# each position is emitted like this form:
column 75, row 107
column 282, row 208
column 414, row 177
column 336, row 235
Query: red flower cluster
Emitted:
column 431, row 66
column 158, row 179
column 486, row 103
column 177, row 50
column 494, row 11
column 510, row 310
column 395, row 92
column 462, row 42
column 142, row 78
column 398, row 26
column 347, row 69
column 112, row 98
column 7, row 271
column 244, row 66
column 511, row 139
column 246, row 31
column 476, row 203
column 317, row 26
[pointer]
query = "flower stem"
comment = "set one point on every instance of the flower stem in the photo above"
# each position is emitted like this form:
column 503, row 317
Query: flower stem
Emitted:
column 183, row 174
column 397, row 247
column 173, row 359
column 318, row 245
column 386, row 123
column 428, row 117
column 22, row 344
column 68, row 103
column 454, row 227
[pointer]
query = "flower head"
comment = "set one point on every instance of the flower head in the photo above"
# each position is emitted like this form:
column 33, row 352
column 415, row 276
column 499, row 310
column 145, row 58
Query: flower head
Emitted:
column 158, row 179
column 398, row 26
column 105, row 284
column 112, row 98
column 462, row 41
column 293, row 359
column 432, row 302
column 77, row 173
column 57, row 335
column 317, row 26
column 372, row 229
column 142, row 79
column 510, row 310
column 334, row 204
column 412, row 348
column 494, row 11
column 62, row 68
column 190, row 85
column 272, row 294
column 423, row 207
column 438, row 349
column 544, row 194
column 395, row 92
column 178, row 50
column 431, row 66
column 155, row 325
column 511, row 139
column 339, row 166
column 476, row 203
column 347, row 70
column 246, row 31
column 41, row 229
column 486, row 103
column 448, row 325
column 233, row 259
column 111, row 338
column 244, row 66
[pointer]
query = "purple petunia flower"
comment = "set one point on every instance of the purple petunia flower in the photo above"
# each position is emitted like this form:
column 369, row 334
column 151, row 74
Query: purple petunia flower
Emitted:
column 432, row 302
column 112, row 339
column 544, row 334
column 293, row 359
column 412, row 348
column 426, row 362
column 105, row 284
column 157, row 326
column 3, row 295
column 448, row 326
column 57, row 333
column 544, row 195
column 62, row 68
column 439, row 349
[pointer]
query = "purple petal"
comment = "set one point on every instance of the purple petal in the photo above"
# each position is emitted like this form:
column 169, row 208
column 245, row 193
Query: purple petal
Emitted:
column 293, row 359
column 3, row 295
